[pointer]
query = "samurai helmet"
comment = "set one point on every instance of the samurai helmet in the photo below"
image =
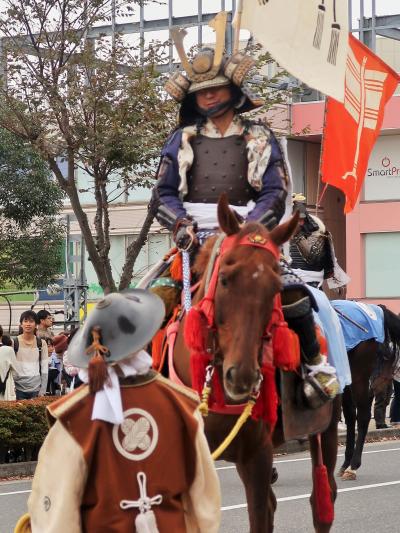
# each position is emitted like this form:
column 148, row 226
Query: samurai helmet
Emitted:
column 212, row 68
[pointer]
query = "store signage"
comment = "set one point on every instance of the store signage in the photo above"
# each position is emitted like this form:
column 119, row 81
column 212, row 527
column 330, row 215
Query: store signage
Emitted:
column 382, row 180
column 386, row 168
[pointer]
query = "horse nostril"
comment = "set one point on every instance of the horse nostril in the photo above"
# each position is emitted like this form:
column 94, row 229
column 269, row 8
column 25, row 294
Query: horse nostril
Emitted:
column 231, row 375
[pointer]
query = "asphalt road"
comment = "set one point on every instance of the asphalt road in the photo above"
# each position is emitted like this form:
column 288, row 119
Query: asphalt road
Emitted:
column 368, row 505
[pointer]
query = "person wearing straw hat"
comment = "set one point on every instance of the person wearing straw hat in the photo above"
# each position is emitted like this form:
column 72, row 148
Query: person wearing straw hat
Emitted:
column 133, row 442
column 213, row 151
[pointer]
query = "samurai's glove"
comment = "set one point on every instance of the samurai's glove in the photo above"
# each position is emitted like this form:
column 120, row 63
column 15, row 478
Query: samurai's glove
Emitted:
column 185, row 235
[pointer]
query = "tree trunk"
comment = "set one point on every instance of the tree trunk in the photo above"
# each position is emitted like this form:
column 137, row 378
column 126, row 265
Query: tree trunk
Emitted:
column 106, row 281
column 135, row 247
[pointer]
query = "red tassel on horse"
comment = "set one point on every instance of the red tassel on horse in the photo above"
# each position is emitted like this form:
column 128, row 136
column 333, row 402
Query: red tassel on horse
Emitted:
column 176, row 268
column 196, row 330
column 286, row 347
column 198, row 364
column 323, row 495
column 266, row 407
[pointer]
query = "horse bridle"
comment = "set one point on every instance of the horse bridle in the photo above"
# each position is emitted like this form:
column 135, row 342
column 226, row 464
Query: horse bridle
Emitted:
column 221, row 246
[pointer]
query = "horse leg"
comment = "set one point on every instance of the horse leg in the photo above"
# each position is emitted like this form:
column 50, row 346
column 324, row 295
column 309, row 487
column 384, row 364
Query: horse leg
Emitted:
column 349, row 413
column 329, row 445
column 363, row 402
column 255, row 474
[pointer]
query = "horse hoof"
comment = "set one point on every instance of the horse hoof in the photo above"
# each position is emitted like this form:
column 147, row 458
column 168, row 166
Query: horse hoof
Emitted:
column 274, row 475
column 349, row 475
column 340, row 472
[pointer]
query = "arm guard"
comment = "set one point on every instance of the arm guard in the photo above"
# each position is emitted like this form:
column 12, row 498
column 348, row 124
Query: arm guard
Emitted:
column 166, row 191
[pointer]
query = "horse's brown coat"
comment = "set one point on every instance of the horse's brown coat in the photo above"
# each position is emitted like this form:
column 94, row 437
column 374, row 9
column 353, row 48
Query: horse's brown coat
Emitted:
column 248, row 280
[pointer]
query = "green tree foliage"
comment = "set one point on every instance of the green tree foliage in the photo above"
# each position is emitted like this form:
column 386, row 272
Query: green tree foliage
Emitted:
column 30, row 234
column 72, row 91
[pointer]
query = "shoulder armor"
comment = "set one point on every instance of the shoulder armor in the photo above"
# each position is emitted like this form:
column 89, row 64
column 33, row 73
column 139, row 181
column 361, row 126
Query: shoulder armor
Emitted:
column 319, row 222
column 185, row 391
column 61, row 406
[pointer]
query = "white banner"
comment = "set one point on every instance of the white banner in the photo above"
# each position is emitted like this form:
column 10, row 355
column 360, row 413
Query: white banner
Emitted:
column 308, row 38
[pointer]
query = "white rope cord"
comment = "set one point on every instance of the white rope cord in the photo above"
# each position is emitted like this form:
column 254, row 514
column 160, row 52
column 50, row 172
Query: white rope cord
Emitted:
column 187, row 295
column 144, row 503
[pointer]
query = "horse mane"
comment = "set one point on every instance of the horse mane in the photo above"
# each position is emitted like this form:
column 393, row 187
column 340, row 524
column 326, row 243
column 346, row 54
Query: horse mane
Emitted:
column 203, row 256
column 391, row 343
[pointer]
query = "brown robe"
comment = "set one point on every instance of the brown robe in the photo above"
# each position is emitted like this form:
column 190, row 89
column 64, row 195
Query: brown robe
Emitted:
column 86, row 468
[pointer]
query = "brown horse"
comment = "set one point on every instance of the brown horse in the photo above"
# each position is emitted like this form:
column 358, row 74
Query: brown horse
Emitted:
column 369, row 359
column 247, row 282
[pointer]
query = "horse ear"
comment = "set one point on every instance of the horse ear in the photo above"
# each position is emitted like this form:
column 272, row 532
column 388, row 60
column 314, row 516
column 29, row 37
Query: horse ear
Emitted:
column 228, row 222
column 284, row 232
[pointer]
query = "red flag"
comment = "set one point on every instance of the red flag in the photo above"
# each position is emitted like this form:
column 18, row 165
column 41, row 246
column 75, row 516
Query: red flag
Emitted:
column 353, row 126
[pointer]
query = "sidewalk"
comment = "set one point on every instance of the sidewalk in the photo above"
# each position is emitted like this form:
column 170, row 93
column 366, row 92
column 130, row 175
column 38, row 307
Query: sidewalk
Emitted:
column 372, row 436
column 8, row 470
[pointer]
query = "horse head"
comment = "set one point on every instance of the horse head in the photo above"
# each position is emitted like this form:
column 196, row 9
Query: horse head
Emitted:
column 248, row 281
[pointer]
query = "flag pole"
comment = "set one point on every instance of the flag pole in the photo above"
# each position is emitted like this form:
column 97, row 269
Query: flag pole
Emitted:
column 237, row 22
column 318, row 198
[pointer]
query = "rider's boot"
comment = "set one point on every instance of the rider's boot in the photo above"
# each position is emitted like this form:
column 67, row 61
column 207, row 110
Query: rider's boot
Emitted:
column 320, row 383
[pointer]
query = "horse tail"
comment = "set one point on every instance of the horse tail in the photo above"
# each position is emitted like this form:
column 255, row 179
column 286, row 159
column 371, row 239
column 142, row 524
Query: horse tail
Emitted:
column 391, row 345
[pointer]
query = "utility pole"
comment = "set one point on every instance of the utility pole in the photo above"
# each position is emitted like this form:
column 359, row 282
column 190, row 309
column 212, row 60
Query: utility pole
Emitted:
column 74, row 283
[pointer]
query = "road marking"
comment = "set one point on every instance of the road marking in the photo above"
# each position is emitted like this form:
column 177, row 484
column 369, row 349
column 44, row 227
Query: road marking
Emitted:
column 308, row 458
column 15, row 492
column 304, row 496
column 285, row 499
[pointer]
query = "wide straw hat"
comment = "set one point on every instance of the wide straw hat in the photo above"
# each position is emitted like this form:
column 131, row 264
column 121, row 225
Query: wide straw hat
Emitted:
column 126, row 321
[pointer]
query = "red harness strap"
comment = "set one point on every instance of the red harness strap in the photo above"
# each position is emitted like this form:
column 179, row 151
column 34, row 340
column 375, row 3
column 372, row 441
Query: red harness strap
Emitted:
column 280, row 345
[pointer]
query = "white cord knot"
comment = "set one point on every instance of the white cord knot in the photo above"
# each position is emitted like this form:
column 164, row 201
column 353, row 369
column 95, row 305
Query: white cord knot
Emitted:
column 323, row 368
column 144, row 503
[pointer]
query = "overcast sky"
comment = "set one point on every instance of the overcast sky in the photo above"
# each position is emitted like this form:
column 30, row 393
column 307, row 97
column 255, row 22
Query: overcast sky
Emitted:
column 189, row 7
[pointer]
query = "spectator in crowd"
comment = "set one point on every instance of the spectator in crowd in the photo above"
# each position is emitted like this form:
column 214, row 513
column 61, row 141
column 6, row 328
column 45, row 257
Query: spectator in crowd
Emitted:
column 45, row 324
column 32, row 367
column 7, row 365
column 382, row 400
column 53, row 370
column 395, row 405
column 70, row 370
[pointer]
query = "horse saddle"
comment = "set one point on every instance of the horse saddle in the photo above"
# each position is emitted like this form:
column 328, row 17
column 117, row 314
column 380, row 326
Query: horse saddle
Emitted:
column 300, row 421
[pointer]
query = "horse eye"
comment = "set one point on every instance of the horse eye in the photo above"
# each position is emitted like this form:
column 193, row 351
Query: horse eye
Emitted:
column 223, row 280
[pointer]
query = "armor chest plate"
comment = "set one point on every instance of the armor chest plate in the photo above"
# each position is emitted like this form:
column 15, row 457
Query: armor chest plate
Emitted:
column 308, row 253
column 219, row 165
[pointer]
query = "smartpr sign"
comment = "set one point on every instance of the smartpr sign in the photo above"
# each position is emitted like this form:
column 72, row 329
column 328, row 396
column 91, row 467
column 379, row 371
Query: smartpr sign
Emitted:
column 382, row 181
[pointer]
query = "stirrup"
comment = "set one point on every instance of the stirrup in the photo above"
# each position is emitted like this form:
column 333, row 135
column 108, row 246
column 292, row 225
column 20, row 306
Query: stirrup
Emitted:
column 314, row 395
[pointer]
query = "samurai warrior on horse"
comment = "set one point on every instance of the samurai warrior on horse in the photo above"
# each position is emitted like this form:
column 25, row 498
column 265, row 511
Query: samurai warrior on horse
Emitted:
column 214, row 150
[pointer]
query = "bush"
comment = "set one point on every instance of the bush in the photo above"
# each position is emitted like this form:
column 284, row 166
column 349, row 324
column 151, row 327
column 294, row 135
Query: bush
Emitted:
column 23, row 427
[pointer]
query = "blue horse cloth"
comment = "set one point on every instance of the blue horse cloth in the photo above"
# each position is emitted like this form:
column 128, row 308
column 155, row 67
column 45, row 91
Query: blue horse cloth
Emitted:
column 328, row 321
column 369, row 316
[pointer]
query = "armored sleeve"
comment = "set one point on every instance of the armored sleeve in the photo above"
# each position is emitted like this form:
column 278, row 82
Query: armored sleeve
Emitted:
column 270, row 202
column 165, row 197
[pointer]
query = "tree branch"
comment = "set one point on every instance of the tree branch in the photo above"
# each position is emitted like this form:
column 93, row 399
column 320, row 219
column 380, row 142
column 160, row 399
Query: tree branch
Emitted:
column 134, row 248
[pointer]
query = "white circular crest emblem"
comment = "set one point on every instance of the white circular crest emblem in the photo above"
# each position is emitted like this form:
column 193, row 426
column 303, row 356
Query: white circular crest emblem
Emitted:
column 137, row 436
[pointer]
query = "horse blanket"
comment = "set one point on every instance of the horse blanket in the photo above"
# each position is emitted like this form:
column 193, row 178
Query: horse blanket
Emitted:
column 369, row 316
column 328, row 320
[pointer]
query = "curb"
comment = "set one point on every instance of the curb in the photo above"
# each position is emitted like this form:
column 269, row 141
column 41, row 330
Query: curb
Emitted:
column 17, row 469
column 373, row 435
column 27, row 469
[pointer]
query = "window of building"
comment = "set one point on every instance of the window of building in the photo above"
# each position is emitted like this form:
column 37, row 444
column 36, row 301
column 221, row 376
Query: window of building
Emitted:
column 156, row 247
column 296, row 155
column 382, row 260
